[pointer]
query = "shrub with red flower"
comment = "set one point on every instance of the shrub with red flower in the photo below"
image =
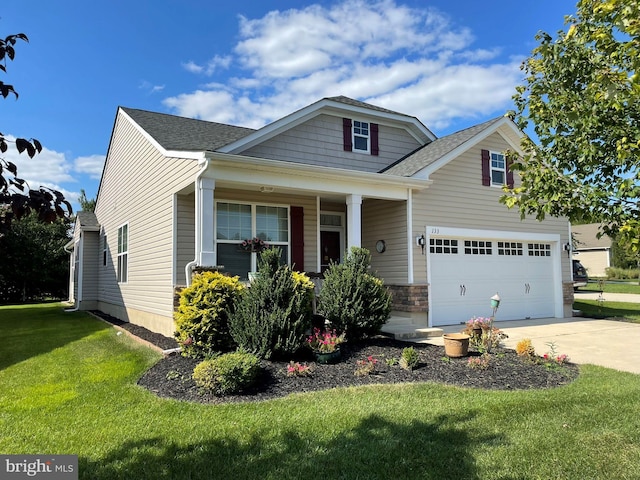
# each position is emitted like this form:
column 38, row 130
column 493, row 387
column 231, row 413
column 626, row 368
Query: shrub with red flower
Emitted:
column 326, row 341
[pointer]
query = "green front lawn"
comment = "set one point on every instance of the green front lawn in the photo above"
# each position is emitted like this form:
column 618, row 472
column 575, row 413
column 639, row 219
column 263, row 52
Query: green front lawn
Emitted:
column 67, row 385
column 611, row 286
column 618, row 310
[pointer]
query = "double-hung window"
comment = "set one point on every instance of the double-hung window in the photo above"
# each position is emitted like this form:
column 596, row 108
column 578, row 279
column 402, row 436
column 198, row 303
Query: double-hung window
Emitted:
column 361, row 136
column 123, row 253
column 243, row 230
column 498, row 169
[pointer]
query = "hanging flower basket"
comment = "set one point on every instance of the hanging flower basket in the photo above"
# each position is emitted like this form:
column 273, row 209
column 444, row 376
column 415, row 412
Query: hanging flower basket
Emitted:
column 250, row 245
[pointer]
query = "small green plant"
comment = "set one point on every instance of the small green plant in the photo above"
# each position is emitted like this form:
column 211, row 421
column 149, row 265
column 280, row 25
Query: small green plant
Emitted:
column 409, row 358
column 479, row 363
column 446, row 359
column 525, row 349
column 296, row 369
column 365, row 367
column 391, row 361
column 228, row 373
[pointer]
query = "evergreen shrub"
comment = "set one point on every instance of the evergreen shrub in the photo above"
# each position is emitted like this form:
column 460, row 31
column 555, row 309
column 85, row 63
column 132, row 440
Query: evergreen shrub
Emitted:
column 227, row 373
column 202, row 318
column 353, row 300
column 274, row 313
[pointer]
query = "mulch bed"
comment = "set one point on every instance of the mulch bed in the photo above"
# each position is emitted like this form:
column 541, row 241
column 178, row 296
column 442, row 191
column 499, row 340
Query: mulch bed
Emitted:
column 171, row 376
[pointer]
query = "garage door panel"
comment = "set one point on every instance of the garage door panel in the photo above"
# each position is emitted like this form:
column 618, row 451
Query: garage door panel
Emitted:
column 463, row 279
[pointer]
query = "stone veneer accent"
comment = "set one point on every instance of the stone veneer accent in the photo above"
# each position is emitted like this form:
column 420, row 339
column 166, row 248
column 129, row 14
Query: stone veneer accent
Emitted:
column 409, row 298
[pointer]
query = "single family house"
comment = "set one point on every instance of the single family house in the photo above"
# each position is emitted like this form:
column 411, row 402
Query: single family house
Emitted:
column 593, row 251
column 177, row 193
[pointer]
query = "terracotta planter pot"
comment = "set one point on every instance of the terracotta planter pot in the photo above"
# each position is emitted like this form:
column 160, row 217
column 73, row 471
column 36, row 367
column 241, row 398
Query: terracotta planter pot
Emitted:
column 456, row 344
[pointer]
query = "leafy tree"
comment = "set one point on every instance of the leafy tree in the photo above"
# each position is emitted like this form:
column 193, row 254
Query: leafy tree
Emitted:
column 582, row 98
column 16, row 198
column 86, row 205
column 34, row 264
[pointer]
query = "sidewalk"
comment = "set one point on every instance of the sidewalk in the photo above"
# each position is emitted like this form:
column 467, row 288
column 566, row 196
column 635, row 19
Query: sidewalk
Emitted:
column 608, row 297
column 607, row 343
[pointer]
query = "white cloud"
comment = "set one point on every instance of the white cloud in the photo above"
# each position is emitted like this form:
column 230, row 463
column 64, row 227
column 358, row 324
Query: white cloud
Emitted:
column 47, row 168
column 150, row 87
column 91, row 165
column 210, row 67
column 412, row 60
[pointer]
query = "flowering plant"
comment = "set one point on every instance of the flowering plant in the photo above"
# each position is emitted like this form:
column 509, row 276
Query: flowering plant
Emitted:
column 253, row 245
column 295, row 369
column 366, row 367
column 324, row 341
column 479, row 322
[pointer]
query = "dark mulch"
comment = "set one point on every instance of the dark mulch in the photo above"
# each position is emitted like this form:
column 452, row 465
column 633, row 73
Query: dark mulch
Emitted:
column 171, row 376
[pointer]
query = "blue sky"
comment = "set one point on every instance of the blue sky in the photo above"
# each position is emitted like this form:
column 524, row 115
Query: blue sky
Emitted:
column 452, row 64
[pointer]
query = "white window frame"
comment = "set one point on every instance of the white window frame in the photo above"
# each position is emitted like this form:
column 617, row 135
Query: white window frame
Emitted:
column 503, row 170
column 359, row 134
column 254, row 206
column 122, row 274
column 105, row 250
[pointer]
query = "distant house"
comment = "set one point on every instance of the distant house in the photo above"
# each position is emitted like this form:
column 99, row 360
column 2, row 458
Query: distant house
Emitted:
column 177, row 193
column 593, row 253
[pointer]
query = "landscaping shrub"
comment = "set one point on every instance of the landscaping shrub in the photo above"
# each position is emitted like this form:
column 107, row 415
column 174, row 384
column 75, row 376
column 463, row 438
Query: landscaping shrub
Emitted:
column 228, row 373
column 622, row 273
column 352, row 299
column 202, row 319
column 524, row 348
column 274, row 313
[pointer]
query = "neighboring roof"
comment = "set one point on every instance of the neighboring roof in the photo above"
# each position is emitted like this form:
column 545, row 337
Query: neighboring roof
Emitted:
column 586, row 236
column 425, row 156
column 87, row 220
column 186, row 134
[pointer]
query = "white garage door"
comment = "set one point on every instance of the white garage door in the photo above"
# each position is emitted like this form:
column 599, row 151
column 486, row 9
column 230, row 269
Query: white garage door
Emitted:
column 466, row 272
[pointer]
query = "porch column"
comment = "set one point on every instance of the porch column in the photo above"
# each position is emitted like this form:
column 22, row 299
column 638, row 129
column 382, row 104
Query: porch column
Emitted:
column 354, row 221
column 207, row 254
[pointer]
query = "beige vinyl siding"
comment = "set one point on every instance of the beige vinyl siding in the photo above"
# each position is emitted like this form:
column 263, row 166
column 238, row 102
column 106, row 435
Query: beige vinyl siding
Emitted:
column 90, row 267
column 306, row 202
column 319, row 142
column 457, row 198
column 185, row 235
column 595, row 261
column 137, row 188
column 386, row 220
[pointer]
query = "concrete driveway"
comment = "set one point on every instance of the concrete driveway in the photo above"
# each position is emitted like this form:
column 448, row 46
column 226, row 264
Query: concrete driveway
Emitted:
column 607, row 343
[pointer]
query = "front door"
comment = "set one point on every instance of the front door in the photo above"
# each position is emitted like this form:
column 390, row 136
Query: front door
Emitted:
column 329, row 248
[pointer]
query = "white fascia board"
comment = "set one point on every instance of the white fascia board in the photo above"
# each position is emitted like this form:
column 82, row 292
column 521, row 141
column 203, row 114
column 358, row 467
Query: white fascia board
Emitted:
column 413, row 125
column 463, row 147
column 310, row 178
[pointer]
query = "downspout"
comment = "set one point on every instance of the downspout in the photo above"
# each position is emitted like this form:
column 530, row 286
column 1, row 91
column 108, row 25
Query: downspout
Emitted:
column 77, row 245
column 204, row 162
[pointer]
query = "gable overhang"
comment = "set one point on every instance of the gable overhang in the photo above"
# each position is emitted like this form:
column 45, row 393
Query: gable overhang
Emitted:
column 504, row 127
column 331, row 107
column 286, row 177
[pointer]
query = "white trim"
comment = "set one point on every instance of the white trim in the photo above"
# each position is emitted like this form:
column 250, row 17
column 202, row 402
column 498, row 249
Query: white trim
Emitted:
column 318, row 250
column 354, row 221
column 410, row 237
column 119, row 254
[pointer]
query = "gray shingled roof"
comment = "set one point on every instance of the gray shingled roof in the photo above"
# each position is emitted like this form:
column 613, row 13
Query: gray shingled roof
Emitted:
column 358, row 103
column 87, row 219
column 425, row 156
column 586, row 236
column 186, row 134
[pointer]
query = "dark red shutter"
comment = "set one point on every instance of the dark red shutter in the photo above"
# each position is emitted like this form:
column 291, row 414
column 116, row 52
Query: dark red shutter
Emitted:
column 297, row 238
column 346, row 135
column 486, row 168
column 509, row 174
column 374, row 139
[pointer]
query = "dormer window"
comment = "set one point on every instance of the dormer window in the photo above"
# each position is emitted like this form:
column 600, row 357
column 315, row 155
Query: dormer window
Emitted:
column 361, row 136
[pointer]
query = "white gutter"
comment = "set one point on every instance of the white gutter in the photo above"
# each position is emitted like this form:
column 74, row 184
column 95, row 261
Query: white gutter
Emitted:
column 204, row 162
